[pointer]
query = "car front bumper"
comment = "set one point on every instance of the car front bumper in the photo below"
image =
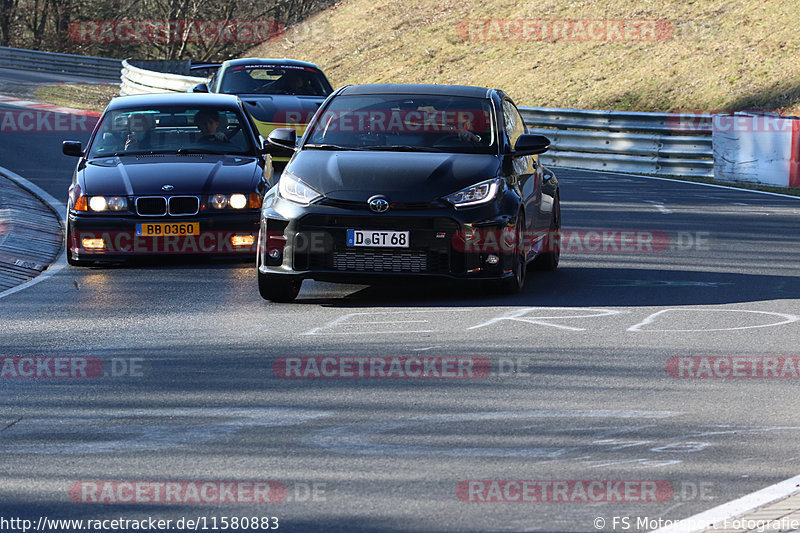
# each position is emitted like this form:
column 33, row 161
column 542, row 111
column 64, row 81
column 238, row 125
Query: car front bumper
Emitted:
column 114, row 238
column 311, row 243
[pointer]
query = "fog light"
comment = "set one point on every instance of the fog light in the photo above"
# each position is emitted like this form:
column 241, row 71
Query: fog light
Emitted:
column 492, row 259
column 243, row 240
column 94, row 244
column 274, row 253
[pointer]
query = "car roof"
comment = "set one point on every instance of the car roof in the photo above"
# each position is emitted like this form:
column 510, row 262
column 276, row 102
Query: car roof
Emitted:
column 418, row 88
column 267, row 61
column 228, row 101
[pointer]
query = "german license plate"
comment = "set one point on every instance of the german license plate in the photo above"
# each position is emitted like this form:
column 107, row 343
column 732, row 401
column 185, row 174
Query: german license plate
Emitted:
column 377, row 238
column 166, row 229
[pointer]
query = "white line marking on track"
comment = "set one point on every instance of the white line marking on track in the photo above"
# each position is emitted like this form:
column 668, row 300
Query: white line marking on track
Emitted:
column 519, row 316
column 650, row 319
column 342, row 321
column 659, row 206
column 733, row 508
column 682, row 181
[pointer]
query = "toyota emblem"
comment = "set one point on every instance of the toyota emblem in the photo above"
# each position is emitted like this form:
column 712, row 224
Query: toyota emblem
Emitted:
column 378, row 204
column 167, row 187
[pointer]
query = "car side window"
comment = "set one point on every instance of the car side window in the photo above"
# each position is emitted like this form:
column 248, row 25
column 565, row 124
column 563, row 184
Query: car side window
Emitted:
column 513, row 122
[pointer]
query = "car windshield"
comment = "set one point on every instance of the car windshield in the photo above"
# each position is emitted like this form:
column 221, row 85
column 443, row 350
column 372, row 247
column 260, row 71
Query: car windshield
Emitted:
column 171, row 129
column 418, row 123
column 271, row 79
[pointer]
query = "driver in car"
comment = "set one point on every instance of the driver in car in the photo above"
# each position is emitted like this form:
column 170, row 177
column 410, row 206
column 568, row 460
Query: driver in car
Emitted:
column 207, row 120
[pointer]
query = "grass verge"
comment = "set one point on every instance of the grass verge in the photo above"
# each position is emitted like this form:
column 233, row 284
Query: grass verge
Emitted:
column 89, row 97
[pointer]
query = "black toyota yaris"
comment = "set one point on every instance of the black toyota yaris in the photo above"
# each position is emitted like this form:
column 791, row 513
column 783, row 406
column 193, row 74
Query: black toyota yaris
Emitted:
column 409, row 181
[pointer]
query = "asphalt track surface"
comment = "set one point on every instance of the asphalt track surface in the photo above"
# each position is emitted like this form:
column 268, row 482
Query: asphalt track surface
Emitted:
column 581, row 385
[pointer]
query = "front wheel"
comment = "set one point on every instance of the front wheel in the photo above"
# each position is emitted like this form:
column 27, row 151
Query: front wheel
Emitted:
column 278, row 288
column 548, row 260
column 514, row 283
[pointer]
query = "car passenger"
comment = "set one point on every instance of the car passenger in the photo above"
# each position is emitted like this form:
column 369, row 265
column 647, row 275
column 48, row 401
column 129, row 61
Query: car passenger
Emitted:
column 140, row 131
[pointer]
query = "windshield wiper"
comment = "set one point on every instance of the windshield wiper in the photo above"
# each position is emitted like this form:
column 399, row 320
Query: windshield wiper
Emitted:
column 331, row 147
column 403, row 148
column 115, row 154
column 183, row 151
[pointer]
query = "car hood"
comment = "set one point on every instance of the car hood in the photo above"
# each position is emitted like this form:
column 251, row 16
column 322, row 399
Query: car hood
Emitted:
column 400, row 176
column 282, row 109
column 188, row 174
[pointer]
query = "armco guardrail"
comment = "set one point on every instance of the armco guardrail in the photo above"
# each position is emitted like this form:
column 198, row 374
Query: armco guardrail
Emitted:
column 96, row 67
column 137, row 80
column 666, row 144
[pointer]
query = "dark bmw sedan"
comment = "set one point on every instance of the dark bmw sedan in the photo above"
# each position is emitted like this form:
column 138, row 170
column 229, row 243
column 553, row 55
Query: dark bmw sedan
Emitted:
column 410, row 181
column 166, row 174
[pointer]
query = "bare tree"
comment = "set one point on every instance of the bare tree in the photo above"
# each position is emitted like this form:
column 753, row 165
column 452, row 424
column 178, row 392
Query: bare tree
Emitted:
column 8, row 14
column 202, row 30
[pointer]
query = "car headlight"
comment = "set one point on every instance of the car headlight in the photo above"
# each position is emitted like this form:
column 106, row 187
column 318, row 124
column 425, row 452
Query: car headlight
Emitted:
column 235, row 201
column 238, row 201
column 218, row 201
column 106, row 203
column 477, row 194
column 291, row 188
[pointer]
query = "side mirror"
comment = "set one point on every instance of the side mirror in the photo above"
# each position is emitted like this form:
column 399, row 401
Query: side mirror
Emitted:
column 72, row 148
column 529, row 144
column 282, row 138
column 200, row 88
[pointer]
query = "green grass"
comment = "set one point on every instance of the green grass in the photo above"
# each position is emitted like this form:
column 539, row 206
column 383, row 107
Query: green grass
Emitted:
column 721, row 56
column 90, row 97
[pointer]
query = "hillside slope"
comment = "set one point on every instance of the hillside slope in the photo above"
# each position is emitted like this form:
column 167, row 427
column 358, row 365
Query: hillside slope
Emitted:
column 700, row 55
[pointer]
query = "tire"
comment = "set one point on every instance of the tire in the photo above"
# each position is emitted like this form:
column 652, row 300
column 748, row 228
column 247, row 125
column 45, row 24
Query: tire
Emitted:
column 514, row 283
column 548, row 261
column 278, row 288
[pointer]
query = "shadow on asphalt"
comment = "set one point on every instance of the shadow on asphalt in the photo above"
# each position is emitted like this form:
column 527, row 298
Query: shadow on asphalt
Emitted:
column 581, row 287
